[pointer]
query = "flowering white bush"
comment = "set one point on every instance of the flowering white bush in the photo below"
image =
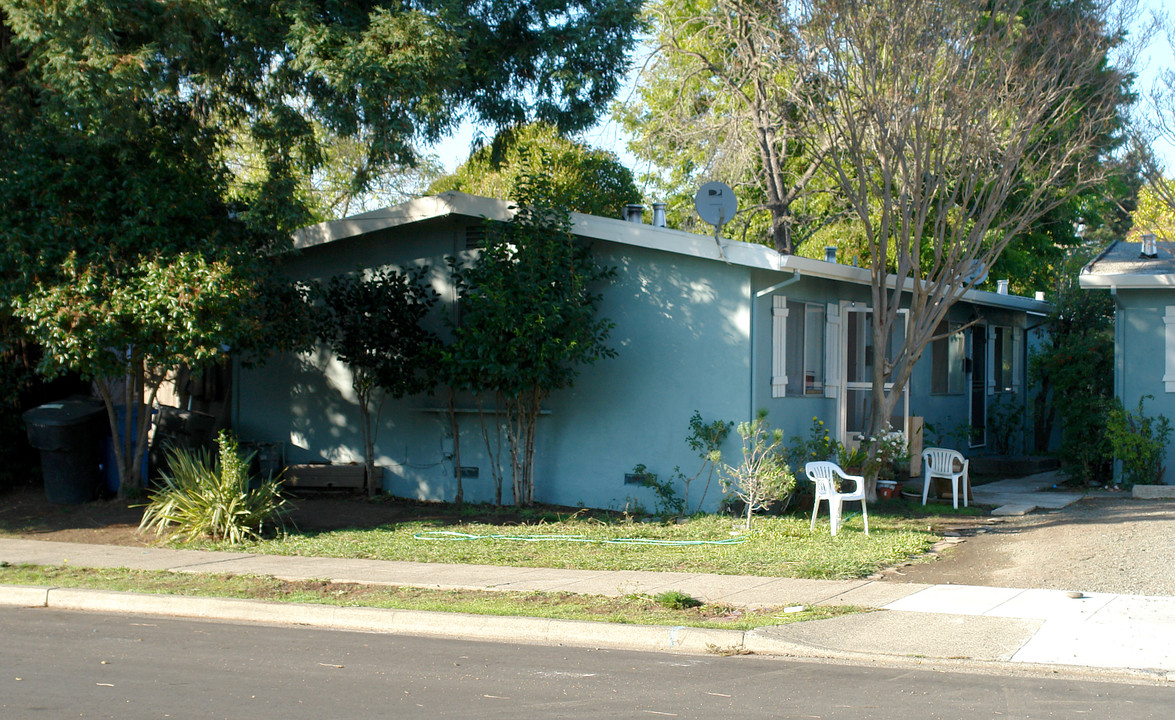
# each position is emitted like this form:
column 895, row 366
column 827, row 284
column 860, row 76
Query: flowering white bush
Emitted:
column 892, row 450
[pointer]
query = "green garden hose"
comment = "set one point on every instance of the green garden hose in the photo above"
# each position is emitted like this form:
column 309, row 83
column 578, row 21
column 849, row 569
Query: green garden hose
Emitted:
column 451, row 535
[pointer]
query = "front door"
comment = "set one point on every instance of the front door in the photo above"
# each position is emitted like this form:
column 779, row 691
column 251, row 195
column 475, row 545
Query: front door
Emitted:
column 978, row 367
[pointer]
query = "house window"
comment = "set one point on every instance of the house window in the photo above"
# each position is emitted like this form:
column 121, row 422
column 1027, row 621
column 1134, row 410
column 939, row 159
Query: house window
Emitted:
column 797, row 348
column 805, row 348
column 946, row 360
column 1003, row 359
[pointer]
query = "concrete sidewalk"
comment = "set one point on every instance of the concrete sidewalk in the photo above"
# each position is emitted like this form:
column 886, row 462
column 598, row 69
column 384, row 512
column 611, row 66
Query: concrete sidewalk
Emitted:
column 1131, row 635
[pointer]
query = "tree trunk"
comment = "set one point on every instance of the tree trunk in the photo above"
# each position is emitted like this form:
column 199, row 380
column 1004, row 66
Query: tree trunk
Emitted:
column 363, row 392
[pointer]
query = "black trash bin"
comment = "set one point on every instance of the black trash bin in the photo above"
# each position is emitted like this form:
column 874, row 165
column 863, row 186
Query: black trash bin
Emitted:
column 68, row 433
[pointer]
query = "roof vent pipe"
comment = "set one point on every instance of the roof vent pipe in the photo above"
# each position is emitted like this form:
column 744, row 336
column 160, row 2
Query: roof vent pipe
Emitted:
column 1002, row 287
column 1040, row 296
column 658, row 214
column 830, row 253
column 1149, row 250
column 634, row 212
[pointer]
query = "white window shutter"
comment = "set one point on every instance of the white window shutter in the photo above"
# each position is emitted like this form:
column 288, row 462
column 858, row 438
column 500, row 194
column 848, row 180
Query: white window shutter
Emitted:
column 832, row 350
column 990, row 360
column 778, row 346
column 1169, row 337
column 1017, row 366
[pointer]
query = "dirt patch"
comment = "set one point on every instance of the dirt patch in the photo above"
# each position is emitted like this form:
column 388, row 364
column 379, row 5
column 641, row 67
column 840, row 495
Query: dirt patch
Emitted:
column 25, row 511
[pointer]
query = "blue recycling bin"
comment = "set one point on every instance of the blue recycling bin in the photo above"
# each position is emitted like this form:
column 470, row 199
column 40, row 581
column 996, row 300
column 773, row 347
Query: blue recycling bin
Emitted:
column 110, row 461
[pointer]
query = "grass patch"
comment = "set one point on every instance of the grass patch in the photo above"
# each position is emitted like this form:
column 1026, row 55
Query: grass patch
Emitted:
column 778, row 547
column 632, row 609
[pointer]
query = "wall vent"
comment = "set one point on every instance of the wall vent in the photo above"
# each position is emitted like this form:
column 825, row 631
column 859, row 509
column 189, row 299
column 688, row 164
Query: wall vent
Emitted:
column 475, row 237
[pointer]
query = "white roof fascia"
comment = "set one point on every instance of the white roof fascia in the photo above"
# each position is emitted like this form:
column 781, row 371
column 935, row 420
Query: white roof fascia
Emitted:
column 406, row 213
column 1091, row 281
column 615, row 230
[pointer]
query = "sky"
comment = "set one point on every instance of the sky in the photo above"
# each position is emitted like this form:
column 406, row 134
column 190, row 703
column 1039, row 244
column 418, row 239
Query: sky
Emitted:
column 608, row 135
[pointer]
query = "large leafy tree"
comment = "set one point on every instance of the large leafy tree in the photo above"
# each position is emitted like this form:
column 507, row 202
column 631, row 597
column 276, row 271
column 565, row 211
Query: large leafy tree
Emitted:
column 528, row 318
column 950, row 128
column 590, row 180
column 128, row 248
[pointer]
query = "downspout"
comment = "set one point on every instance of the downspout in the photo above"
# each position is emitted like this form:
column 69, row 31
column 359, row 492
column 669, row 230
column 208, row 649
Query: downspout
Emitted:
column 795, row 277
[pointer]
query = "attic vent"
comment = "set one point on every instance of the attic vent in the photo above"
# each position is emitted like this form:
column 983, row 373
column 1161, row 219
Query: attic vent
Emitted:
column 1149, row 248
column 475, row 237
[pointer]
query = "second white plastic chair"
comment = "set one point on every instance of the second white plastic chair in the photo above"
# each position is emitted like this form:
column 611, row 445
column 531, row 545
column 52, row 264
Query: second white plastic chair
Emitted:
column 940, row 462
column 824, row 476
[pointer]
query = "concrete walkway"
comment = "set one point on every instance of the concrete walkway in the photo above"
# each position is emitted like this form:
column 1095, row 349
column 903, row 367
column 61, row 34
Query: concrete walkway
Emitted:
column 1132, row 636
column 1022, row 495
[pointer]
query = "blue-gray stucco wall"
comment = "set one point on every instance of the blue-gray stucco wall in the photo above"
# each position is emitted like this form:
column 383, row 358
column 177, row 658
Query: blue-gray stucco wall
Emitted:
column 683, row 337
column 1140, row 354
column 682, row 341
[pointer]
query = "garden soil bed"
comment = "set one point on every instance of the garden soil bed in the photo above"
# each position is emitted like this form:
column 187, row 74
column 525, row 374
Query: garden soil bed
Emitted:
column 24, row 511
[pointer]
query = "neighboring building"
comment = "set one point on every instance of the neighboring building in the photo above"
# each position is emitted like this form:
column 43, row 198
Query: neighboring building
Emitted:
column 1141, row 279
column 724, row 331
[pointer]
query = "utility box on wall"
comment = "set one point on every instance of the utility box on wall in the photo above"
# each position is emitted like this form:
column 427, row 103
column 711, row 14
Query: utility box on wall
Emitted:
column 318, row 476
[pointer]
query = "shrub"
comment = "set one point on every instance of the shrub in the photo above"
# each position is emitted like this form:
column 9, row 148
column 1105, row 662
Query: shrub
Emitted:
column 892, row 450
column 203, row 496
column 676, row 600
column 819, row 445
column 763, row 477
column 706, row 440
column 1139, row 442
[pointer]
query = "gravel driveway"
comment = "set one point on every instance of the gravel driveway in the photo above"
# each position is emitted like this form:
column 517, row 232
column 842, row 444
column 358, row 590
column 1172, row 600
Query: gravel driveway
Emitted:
column 1118, row 545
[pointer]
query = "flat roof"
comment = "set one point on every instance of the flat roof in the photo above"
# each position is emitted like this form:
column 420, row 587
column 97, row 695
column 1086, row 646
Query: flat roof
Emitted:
column 1122, row 265
column 750, row 255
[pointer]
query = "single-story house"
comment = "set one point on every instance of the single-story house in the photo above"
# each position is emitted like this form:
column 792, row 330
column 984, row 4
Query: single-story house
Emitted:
column 722, row 329
column 1140, row 276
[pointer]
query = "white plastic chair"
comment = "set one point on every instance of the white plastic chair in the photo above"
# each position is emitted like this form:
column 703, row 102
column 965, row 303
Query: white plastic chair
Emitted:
column 823, row 475
column 940, row 462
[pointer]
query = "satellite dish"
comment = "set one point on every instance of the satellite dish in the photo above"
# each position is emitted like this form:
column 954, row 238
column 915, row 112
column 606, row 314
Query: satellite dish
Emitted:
column 716, row 203
column 975, row 273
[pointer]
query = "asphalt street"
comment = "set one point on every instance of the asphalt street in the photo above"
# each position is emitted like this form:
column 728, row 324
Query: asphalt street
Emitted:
column 100, row 665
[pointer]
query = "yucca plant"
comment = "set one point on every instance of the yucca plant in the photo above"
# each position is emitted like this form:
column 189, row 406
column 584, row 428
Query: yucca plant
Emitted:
column 207, row 497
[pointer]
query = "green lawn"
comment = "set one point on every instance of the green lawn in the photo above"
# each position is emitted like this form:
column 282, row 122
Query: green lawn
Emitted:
column 778, row 546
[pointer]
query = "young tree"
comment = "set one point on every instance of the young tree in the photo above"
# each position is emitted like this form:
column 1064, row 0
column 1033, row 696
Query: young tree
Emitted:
column 528, row 321
column 592, row 181
column 372, row 323
column 949, row 128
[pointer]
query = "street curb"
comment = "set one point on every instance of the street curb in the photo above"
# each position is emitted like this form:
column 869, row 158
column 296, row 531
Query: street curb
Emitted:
column 524, row 630
column 496, row 628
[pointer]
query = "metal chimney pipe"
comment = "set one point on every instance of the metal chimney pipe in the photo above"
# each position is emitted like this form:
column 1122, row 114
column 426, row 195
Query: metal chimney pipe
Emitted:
column 830, row 253
column 633, row 212
column 1149, row 250
column 1002, row 287
column 658, row 214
